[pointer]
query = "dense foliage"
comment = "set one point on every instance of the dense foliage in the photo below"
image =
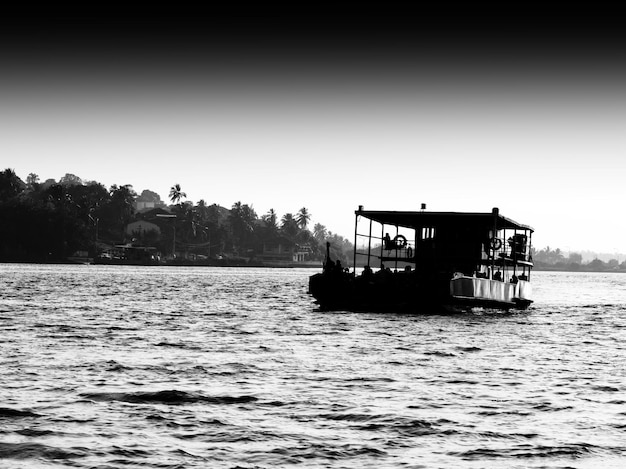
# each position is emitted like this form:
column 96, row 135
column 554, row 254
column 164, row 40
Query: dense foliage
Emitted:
column 548, row 259
column 47, row 222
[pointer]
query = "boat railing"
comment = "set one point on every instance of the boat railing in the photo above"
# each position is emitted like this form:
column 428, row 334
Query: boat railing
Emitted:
column 511, row 255
column 404, row 253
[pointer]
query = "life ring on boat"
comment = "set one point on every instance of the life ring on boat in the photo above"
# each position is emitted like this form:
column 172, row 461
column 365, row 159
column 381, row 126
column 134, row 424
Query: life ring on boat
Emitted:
column 495, row 243
column 400, row 241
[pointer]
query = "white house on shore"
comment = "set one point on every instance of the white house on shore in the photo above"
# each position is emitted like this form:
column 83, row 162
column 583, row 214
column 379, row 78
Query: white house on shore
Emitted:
column 148, row 200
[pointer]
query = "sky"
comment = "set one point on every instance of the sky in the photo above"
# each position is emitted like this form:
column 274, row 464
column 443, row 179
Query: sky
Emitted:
column 289, row 110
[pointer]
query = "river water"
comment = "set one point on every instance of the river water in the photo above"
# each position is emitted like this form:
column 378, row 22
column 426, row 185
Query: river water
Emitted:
column 165, row 367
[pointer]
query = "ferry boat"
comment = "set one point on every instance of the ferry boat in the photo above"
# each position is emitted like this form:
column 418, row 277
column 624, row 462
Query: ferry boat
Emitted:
column 430, row 261
column 128, row 254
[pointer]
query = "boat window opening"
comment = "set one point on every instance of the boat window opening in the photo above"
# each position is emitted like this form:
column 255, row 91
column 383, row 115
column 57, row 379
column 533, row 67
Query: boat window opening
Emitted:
column 428, row 233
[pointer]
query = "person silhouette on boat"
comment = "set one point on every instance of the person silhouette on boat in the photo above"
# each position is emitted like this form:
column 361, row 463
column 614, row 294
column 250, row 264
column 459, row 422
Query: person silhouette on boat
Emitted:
column 329, row 265
column 389, row 244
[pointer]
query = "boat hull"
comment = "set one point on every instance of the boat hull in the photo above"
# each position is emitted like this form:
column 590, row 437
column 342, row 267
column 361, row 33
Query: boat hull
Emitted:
column 407, row 293
column 491, row 293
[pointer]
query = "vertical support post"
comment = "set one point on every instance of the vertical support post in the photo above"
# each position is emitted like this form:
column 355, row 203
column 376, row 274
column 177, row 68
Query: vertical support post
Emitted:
column 495, row 212
column 395, row 267
column 514, row 248
column 369, row 244
column 530, row 245
column 356, row 224
column 382, row 244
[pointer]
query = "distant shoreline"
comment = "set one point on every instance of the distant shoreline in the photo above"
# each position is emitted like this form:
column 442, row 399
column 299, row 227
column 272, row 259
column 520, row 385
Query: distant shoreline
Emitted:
column 582, row 270
column 181, row 264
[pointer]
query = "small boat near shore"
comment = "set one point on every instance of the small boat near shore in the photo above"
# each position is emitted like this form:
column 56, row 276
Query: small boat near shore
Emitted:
column 128, row 254
column 432, row 261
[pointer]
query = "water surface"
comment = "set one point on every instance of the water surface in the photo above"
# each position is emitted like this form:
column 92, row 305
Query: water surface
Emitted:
column 165, row 367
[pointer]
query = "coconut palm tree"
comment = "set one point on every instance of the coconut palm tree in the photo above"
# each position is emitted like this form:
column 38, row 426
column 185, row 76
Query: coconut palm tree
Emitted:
column 123, row 201
column 202, row 210
column 270, row 219
column 242, row 218
column 176, row 194
column 288, row 225
column 303, row 218
column 319, row 232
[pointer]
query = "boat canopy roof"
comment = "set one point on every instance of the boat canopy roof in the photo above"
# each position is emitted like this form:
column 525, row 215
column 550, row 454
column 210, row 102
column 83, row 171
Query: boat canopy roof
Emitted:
column 439, row 220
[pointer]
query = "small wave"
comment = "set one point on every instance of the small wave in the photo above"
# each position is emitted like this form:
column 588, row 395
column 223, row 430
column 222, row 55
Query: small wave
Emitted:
column 349, row 417
column 407, row 427
column 35, row 432
column 528, row 451
column 180, row 345
column 36, row 451
column 167, row 421
column 118, row 368
column 128, row 452
column 605, row 388
column 371, row 380
column 607, row 305
column 275, row 403
column 505, row 436
column 462, row 381
column 437, row 353
column 547, row 407
column 8, row 412
column 492, row 413
column 165, row 397
column 334, row 452
column 468, row 349
column 404, row 430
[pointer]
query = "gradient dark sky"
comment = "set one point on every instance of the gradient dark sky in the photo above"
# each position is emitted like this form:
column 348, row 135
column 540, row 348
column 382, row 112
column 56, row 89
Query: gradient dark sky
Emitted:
column 330, row 108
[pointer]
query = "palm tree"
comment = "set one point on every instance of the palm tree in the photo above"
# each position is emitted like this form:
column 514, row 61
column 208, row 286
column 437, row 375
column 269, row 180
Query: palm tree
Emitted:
column 176, row 194
column 319, row 232
column 303, row 218
column 289, row 225
column 242, row 218
column 189, row 219
column 123, row 201
column 270, row 219
column 202, row 210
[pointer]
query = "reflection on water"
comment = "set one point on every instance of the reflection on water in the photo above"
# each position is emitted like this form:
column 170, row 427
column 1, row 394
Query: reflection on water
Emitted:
column 161, row 367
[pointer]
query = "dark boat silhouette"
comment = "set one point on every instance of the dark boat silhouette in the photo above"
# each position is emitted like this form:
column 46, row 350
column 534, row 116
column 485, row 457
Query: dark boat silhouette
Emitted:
column 432, row 261
column 128, row 254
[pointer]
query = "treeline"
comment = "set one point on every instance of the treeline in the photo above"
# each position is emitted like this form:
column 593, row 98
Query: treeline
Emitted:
column 49, row 221
column 548, row 259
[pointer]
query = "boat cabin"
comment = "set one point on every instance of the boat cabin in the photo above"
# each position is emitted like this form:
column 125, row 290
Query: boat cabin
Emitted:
column 484, row 245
